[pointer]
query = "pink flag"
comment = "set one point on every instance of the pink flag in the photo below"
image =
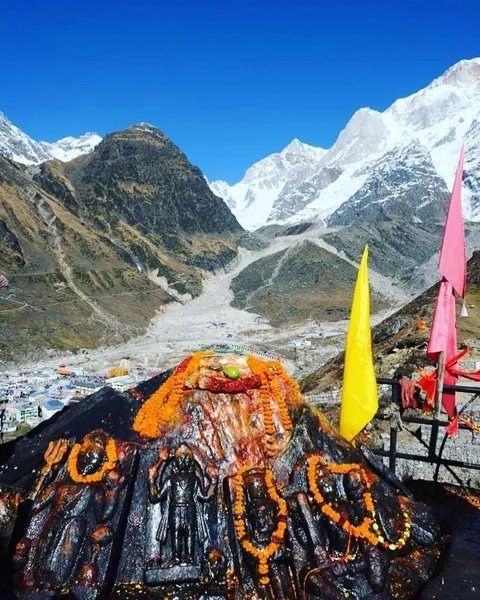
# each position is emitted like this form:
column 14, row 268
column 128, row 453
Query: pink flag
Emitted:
column 452, row 263
column 443, row 338
column 443, row 335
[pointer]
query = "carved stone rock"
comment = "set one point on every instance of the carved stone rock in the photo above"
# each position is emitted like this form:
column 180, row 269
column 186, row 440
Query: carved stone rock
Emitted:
column 224, row 484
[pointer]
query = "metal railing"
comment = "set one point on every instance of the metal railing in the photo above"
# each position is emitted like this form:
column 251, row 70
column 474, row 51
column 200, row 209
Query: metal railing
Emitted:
column 432, row 456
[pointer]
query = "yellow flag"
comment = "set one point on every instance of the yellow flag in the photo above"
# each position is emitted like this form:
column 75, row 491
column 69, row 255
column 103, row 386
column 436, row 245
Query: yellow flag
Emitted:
column 360, row 393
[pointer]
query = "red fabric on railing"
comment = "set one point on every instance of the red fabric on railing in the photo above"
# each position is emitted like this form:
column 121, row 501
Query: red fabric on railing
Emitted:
column 407, row 393
column 428, row 383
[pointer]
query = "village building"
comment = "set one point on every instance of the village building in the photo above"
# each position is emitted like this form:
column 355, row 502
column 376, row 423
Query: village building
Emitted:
column 84, row 388
column 123, row 383
column 50, row 406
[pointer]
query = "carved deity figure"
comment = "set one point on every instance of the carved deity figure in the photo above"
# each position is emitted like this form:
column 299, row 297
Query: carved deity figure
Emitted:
column 180, row 486
column 79, row 507
column 261, row 519
column 343, row 566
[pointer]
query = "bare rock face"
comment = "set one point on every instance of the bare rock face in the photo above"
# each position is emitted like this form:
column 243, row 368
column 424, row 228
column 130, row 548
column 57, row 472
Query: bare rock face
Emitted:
column 395, row 189
column 215, row 482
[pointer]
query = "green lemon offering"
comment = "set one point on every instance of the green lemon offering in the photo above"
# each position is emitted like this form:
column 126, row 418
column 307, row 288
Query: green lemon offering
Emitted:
column 232, row 372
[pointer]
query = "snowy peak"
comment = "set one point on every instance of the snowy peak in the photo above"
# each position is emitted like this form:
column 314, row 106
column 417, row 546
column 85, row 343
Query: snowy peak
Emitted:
column 222, row 189
column 465, row 74
column 420, row 134
column 456, row 91
column 297, row 148
column 69, row 148
column 252, row 198
column 471, row 197
column 18, row 146
column 277, row 167
column 366, row 133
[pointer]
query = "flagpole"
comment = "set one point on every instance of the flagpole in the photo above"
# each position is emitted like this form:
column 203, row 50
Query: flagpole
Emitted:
column 439, row 390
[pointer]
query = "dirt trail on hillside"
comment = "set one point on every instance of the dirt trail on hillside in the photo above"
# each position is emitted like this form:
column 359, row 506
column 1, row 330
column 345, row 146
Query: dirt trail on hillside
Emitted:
column 49, row 217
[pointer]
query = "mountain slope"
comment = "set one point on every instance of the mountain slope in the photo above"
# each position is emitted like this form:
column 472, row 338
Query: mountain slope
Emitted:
column 402, row 185
column 69, row 287
column 395, row 248
column 435, row 120
column 397, row 341
column 94, row 247
column 304, row 282
column 140, row 189
column 18, row 146
column 143, row 167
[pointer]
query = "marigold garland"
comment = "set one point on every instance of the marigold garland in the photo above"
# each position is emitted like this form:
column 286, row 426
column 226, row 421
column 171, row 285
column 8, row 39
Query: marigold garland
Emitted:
column 258, row 367
column 108, row 465
column 261, row 554
column 270, row 372
column 276, row 372
column 291, row 384
column 161, row 408
column 368, row 529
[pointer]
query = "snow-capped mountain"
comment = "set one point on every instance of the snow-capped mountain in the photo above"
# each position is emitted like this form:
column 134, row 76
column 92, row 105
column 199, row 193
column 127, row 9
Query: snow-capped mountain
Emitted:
column 402, row 184
column 252, row 198
column 18, row 146
column 70, row 147
column 417, row 137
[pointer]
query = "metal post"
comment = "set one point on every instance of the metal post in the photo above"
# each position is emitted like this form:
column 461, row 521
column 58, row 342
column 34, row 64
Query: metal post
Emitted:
column 396, row 392
column 2, row 419
column 432, row 446
column 392, row 457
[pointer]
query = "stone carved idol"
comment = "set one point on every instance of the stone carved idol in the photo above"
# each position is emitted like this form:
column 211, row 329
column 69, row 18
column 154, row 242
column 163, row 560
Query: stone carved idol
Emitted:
column 260, row 519
column 78, row 509
column 341, row 565
column 300, row 514
column 178, row 483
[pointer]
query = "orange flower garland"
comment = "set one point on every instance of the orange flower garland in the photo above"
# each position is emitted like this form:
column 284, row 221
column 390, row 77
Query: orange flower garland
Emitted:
column 258, row 367
column 368, row 528
column 358, row 531
column 271, row 391
column 275, row 371
column 261, row 554
column 290, row 383
column 108, row 465
column 161, row 408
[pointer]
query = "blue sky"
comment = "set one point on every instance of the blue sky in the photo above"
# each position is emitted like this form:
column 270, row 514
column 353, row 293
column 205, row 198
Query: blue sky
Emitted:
column 228, row 81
